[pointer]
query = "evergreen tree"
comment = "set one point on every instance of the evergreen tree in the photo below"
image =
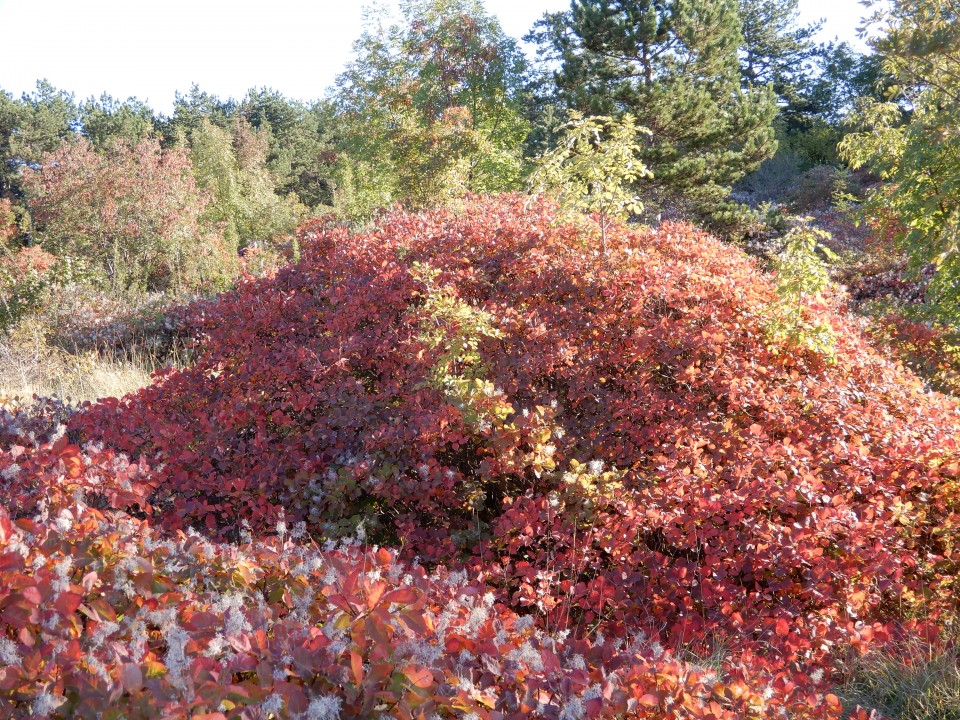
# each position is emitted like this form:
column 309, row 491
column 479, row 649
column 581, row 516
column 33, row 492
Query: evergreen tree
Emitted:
column 673, row 64
column 192, row 108
column 105, row 120
column 35, row 124
column 777, row 51
column 846, row 76
column 300, row 154
column 11, row 117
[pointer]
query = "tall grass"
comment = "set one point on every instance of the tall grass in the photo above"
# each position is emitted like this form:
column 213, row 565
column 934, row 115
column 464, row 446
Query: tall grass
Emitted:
column 30, row 365
column 911, row 683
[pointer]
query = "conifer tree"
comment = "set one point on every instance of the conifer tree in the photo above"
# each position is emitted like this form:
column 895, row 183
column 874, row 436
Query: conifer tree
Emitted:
column 777, row 50
column 35, row 124
column 300, row 152
column 105, row 120
column 673, row 64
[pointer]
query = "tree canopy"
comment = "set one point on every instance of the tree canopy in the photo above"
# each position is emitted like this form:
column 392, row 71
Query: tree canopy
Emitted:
column 432, row 103
column 673, row 65
column 911, row 140
column 131, row 214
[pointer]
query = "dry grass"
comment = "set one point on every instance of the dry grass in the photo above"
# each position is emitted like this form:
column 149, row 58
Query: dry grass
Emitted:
column 911, row 684
column 30, row 366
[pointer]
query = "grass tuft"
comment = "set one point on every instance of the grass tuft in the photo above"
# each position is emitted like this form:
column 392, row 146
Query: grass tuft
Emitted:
column 910, row 683
column 31, row 366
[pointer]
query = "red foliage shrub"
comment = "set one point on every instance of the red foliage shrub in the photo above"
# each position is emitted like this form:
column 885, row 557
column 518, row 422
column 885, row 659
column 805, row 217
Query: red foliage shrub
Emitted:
column 100, row 610
column 928, row 349
column 8, row 221
column 31, row 259
column 608, row 442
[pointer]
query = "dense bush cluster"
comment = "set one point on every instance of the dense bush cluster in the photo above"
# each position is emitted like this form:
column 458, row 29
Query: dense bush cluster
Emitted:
column 690, row 519
column 25, row 280
column 102, row 615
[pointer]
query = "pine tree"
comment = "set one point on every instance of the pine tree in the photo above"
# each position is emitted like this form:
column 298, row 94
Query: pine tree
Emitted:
column 777, row 50
column 106, row 120
column 35, row 124
column 672, row 64
column 300, row 155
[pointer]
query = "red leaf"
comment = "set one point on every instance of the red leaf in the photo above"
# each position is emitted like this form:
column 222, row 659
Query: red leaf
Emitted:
column 68, row 602
column 783, row 627
column 400, row 596
column 649, row 700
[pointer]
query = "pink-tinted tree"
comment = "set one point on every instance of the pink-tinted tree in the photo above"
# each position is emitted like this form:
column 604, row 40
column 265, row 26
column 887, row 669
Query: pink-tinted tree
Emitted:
column 131, row 214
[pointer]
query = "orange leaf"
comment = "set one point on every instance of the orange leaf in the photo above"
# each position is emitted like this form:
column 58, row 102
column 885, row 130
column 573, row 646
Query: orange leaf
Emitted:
column 356, row 664
column 419, row 676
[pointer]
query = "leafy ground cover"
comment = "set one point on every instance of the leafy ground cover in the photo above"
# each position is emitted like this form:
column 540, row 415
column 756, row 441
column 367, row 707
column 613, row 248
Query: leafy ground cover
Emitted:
column 465, row 464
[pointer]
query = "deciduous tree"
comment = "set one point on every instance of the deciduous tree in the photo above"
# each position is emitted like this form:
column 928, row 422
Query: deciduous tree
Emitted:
column 132, row 213
column 912, row 140
column 432, row 103
column 231, row 165
column 594, row 168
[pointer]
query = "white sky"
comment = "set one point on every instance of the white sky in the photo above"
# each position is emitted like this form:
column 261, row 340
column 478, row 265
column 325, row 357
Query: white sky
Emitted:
column 152, row 49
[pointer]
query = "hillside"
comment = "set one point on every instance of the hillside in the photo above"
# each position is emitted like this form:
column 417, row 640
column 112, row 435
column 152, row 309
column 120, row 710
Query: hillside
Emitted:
column 464, row 463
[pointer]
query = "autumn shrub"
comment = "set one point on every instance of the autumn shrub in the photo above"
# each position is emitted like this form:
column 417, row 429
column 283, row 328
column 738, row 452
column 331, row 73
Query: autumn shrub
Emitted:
column 465, row 463
column 928, row 348
column 8, row 223
column 26, row 279
column 131, row 214
column 613, row 443
column 104, row 615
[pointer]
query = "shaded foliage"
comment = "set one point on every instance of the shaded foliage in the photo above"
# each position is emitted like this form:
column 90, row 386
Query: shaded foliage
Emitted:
column 912, row 143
